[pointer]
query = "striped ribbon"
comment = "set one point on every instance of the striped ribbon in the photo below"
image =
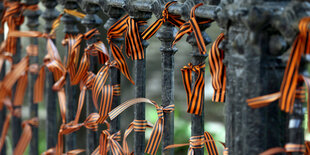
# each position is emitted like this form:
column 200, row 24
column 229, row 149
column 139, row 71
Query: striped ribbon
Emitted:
column 89, row 123
column 26, row 136
column 217, row 70
column 307, row 144
column 166, row 16
column 13, row 16
column 157, row 132
column 193, row 26
column 196, row 142
column 290, row 81
column 133, row 43
column 194, row 95
column 17, row 73
column 137, row 126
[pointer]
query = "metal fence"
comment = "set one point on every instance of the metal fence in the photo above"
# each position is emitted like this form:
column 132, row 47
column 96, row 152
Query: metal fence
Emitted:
column 250, row 52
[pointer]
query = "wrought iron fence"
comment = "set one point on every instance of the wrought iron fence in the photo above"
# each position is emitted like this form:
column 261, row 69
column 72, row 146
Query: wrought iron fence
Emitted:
column 250, row 52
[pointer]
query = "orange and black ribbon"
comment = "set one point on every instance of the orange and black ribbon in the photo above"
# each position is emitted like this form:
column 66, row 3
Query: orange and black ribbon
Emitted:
column 217, row 70
column 134, row 48
column 197, row 142
column 109, row 141
column 137, row 126
column 107, row 94
column 166, row 16
column 13, row 16
column 26, row 136
column 195, row 94
column 193, row 26
column 17, row 71
column 290, row 81
column 157, row 132
column 89, row 123
column 307, row 144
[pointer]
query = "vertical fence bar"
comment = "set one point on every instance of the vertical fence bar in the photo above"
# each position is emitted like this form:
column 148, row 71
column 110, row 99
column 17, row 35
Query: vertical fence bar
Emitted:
column 49, row 15
column 115, row 75
column 166, row 36
column 32, row 24
column 2, row 74
column 140, row 74
column 16, row 120
column 197, row 122
column 91, row 20
column 72, row 92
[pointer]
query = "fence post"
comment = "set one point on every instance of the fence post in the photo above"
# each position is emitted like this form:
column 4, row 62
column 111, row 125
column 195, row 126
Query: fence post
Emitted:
column 115, row 75
column 32, row 24
column 140, row 77
column 91, row 20
column 197, row 122
column 166, row 35
column 16, row 120
column 254, row 68
column 2, row 74
column 49, row 15
column 72, row 92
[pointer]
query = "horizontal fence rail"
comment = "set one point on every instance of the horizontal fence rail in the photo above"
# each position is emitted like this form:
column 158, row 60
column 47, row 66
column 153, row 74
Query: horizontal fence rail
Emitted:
column 82, row 74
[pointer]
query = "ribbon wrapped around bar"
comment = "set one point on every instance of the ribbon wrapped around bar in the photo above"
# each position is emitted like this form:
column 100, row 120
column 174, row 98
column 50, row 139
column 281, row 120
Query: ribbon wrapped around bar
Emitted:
column 196, row 142
column 193, row 26
column 157, row 132
column 194, row 95
column 137, row 126
column 217, row 70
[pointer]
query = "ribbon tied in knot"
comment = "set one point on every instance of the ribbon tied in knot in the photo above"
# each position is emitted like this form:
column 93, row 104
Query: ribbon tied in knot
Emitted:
column 195, row 94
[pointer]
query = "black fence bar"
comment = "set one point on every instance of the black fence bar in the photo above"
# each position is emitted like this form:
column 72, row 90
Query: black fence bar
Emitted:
column 49, row 15
column 2, row 74
column 72, row 92
column 115, row 75
column 91, row 20
column 16, row 120
column 166, row 35
column 197, row 122
column 140, row 79
column 33, row 24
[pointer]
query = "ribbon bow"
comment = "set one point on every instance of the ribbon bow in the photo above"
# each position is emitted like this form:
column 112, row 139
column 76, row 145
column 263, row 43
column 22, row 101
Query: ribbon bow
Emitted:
column 133, row 43
column 195, row 94
column 157, row 131
column 166, row 16
column 196, row 142
column 109, row 141
column 291, row 78
column 89, row 123
column 193, row 25
column 217, row 70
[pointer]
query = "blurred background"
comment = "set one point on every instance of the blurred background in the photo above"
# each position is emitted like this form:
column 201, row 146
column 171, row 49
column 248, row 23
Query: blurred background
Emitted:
column 214, row 112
